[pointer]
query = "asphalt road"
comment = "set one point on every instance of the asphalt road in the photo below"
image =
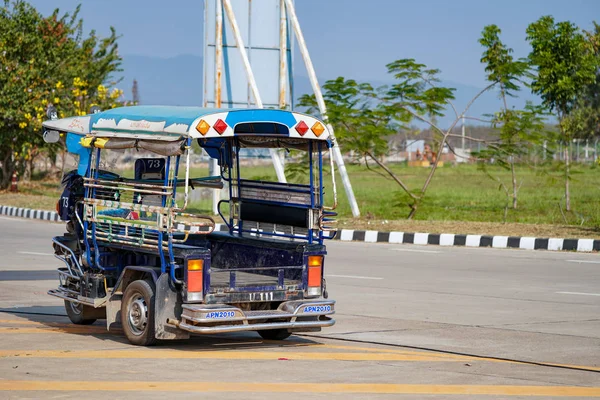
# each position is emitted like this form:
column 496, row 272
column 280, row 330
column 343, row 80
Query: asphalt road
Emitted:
column 412, row 322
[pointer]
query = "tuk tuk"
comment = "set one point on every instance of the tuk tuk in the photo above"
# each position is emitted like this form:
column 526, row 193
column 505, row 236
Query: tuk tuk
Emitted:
column 133, row 255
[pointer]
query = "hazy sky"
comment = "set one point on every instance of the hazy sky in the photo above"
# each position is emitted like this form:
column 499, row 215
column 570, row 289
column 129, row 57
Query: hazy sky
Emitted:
column 351, row 38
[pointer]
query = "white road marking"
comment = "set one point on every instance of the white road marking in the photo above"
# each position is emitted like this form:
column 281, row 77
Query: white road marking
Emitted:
column 584, row 261
column 580, row 294
column 417, row 251
column 15, row 219
column 355, row 277
column 33, row 253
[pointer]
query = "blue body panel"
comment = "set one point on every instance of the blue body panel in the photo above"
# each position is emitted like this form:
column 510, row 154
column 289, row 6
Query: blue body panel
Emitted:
column 169, row 114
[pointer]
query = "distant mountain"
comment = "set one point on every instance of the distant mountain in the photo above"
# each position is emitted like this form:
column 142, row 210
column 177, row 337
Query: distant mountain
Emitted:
column 178, row 81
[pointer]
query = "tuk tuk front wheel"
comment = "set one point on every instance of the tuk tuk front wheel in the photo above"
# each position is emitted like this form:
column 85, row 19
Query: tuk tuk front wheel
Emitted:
column 274, row 334
column 137, row 313
column 75, row 313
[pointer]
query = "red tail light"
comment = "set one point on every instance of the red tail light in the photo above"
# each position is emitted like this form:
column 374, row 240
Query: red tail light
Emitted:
column 315, row 266
column 194, row 275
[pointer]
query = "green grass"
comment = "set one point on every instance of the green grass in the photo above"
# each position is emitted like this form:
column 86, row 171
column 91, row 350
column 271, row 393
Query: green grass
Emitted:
column 463, row 193
column 457, row 193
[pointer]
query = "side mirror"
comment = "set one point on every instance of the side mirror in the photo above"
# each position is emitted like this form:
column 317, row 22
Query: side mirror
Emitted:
column 52, row 113
column 51, row 136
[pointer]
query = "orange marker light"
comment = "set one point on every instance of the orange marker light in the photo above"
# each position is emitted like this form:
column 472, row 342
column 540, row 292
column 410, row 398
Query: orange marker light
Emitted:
column 318, row 128
column 203, row 127
column 195, row 265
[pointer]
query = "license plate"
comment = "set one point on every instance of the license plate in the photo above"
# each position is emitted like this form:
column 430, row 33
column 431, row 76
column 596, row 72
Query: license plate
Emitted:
column 317, row 309
column 220, row 314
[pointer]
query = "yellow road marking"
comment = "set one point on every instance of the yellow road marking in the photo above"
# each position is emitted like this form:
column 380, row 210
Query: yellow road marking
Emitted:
column 59, row 329
column 214, row 354
column 308, row 387
column 21, row 322
column 402, row 355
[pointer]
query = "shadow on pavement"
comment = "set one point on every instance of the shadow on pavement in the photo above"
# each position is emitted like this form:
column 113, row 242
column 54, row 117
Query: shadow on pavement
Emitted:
column 35, row 275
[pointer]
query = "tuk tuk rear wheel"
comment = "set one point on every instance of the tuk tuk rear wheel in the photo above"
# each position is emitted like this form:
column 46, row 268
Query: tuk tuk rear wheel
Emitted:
column 137, row 313
column 274, row 334
column 75, row 313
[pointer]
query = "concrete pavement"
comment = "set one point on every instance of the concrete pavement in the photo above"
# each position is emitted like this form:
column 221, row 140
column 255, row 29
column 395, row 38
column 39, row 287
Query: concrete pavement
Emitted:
column 411, row 321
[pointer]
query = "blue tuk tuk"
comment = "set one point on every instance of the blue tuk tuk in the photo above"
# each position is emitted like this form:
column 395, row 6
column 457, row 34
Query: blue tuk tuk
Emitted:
column 134, row 256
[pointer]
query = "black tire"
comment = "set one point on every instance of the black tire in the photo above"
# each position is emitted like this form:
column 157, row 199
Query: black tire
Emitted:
column 274, row 334
column 137, row 313
column 75, row 313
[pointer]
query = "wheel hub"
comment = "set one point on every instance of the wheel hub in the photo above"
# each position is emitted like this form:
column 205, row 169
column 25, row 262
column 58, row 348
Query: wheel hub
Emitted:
column 138, row 315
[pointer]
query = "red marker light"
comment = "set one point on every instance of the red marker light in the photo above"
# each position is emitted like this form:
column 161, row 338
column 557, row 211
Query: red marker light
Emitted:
column 220, row 126
column 302, row 128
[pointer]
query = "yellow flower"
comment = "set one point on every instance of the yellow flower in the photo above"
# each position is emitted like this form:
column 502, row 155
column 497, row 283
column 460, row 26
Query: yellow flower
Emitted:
column 78, row 82
column 76, row 103
column 116, row 93
column 102, row 91
column 28, row 117
column 76, row 92
column 23, row 125
column 59, row 85
column 56, row 100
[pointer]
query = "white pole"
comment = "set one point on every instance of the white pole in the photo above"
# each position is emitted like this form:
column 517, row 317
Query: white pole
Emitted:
column 463, row 135
column 282, row 54
column 251, row 81
column 319, row 97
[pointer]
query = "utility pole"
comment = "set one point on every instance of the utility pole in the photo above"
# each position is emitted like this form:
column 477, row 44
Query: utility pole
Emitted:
column 135, row 92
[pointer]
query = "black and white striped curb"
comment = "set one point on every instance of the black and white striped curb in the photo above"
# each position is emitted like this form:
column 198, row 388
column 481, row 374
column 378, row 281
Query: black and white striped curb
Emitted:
column 29, row 213
column 450, row 239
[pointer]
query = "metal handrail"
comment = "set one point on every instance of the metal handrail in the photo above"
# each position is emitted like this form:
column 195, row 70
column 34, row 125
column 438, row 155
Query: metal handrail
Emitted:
column 71, row 254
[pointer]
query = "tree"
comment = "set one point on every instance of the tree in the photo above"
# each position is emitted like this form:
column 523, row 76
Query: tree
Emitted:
column 585, row 118
column 566, row 64
column 362, row 118
column 519, row 130
column 44, row 61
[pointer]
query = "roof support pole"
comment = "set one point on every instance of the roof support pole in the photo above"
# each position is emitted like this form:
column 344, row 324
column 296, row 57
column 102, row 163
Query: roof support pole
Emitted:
column 319, row 97
column 213, row 164
column 251, row 81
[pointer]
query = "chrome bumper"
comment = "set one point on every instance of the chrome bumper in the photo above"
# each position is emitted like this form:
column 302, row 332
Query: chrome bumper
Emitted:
column 296, row 316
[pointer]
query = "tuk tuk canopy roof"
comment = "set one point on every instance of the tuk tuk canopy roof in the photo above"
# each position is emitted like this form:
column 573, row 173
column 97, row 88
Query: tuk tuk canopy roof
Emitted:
column 172, row 123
